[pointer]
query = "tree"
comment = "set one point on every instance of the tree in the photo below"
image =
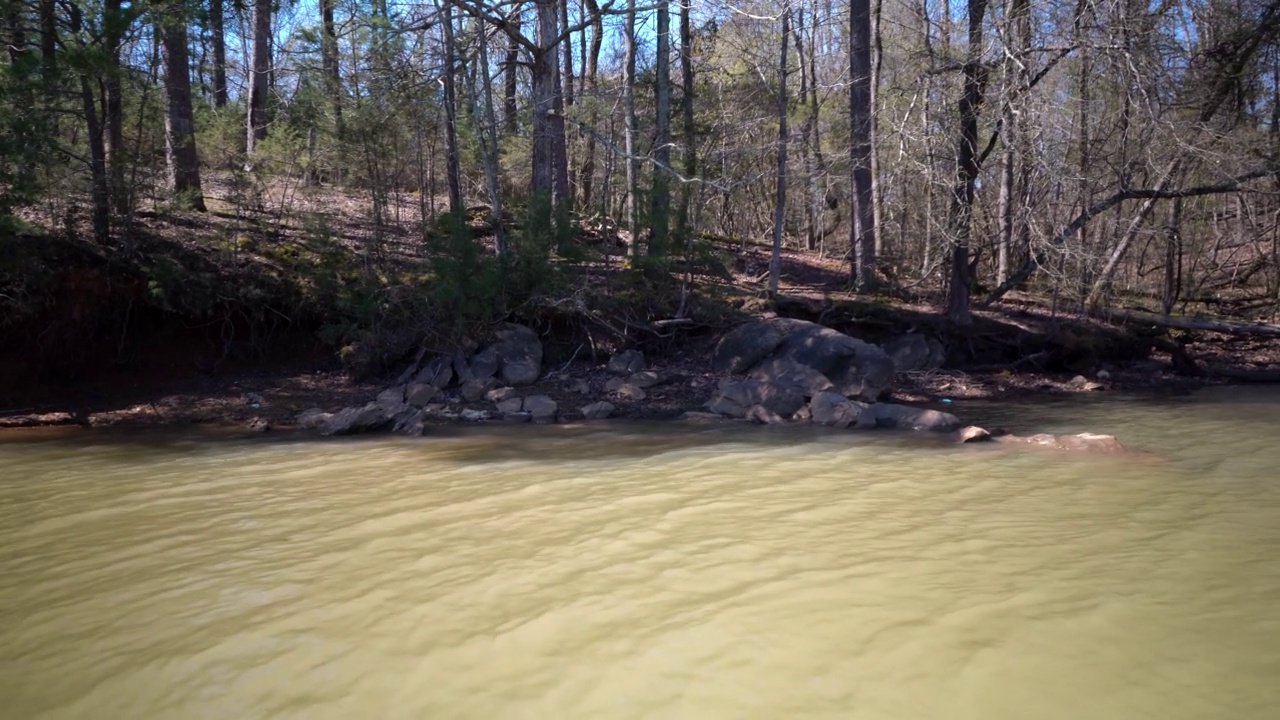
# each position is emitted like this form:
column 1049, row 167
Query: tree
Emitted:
column 780, row 192
column 218, row 35
column 660, row 197
column 259, row 71
column 180, row 139
column 862, row 230
column 960, row 217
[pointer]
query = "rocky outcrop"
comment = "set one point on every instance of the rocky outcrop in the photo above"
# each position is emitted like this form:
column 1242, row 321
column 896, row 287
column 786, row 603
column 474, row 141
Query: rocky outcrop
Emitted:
column 519, row 355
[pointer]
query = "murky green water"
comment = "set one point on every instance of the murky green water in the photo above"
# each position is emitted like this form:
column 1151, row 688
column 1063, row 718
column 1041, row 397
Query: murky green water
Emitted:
column 651, row 572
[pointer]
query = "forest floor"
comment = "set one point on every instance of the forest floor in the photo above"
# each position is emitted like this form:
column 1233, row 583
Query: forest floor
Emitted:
column 185, row 377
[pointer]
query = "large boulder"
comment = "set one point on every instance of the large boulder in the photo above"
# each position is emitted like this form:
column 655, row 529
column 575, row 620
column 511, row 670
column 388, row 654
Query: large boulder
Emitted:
column 519, row 354
column 915, row 352
column 773, row 349
column 746, row 345
column 781, row 371
column 781, row 399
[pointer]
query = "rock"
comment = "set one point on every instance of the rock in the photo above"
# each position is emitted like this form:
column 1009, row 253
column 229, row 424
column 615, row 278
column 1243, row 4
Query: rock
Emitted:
column 410, row 371
column 781, row 399
column 312, row 418
column 855, row 368
column 510, row 405
column 971, row 433
column 761, row 415
column 832, row 408
column 803, row 415
column 461, row 368
column 911, row 418
column 1089, row 442
column 257, row 425
column 646, row 379
column 722, row 406
column 499, row 394
column 582, row 387
column 519, row 353
column 915, row 352
column 789, row 372
column 352, row 420
column 516, row 418
column 626, row 362
column 627, row 391
column 475, row 390
column 484, row 364
column 1104, row 375
column 613, row 383
column 420, row 394
column 746, row 345
column 1082, row 383
column 438, row 372
column 474, row 415
column 434, row 409
column 391, row 400
column 541, row 407
column 597, row 410
column 697, row 416
column 410, row 421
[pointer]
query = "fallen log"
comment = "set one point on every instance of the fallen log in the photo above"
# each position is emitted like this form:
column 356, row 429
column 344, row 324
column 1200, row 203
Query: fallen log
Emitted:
column 1188, row 323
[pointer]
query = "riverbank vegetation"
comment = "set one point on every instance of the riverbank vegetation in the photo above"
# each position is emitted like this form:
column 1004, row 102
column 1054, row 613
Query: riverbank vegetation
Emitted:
column 197, row 188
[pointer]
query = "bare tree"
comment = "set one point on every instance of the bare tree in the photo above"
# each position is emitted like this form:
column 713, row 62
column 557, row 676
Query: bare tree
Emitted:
column 259, row 72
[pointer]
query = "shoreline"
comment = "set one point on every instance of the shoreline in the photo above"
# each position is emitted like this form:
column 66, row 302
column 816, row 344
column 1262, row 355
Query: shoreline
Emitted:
column 272, row 398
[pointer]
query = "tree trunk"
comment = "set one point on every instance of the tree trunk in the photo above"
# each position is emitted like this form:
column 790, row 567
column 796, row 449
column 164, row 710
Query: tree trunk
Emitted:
column 259, row 70
column 329, row 62
column 512, row 64
column 780, row 192
column 683, row 229
column 451, row 114
column 660, row 200
column 1172, row 258
column 862, row 232
column 99, row 190
column 629, row 131
column 115, row 23
column 218, row 31
column 180, row 138
column 586, row 177
column 960, row 216
column 488, row 132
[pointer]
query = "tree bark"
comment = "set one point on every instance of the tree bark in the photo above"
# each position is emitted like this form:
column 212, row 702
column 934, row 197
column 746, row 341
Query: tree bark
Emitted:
column 960, row 216
column 218, row 31
column 180, row 138
column 259, row 71
column 115, row 22
column 451, row 113
column 629, row 128
column 690, row 140
column 586, row 177
column 660, row 199
column 329, row 62
column 780, row 191
column 862, row 230
column 512, row 64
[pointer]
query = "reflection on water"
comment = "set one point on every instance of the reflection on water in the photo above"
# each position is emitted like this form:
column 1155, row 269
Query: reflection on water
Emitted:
column 617, row 571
